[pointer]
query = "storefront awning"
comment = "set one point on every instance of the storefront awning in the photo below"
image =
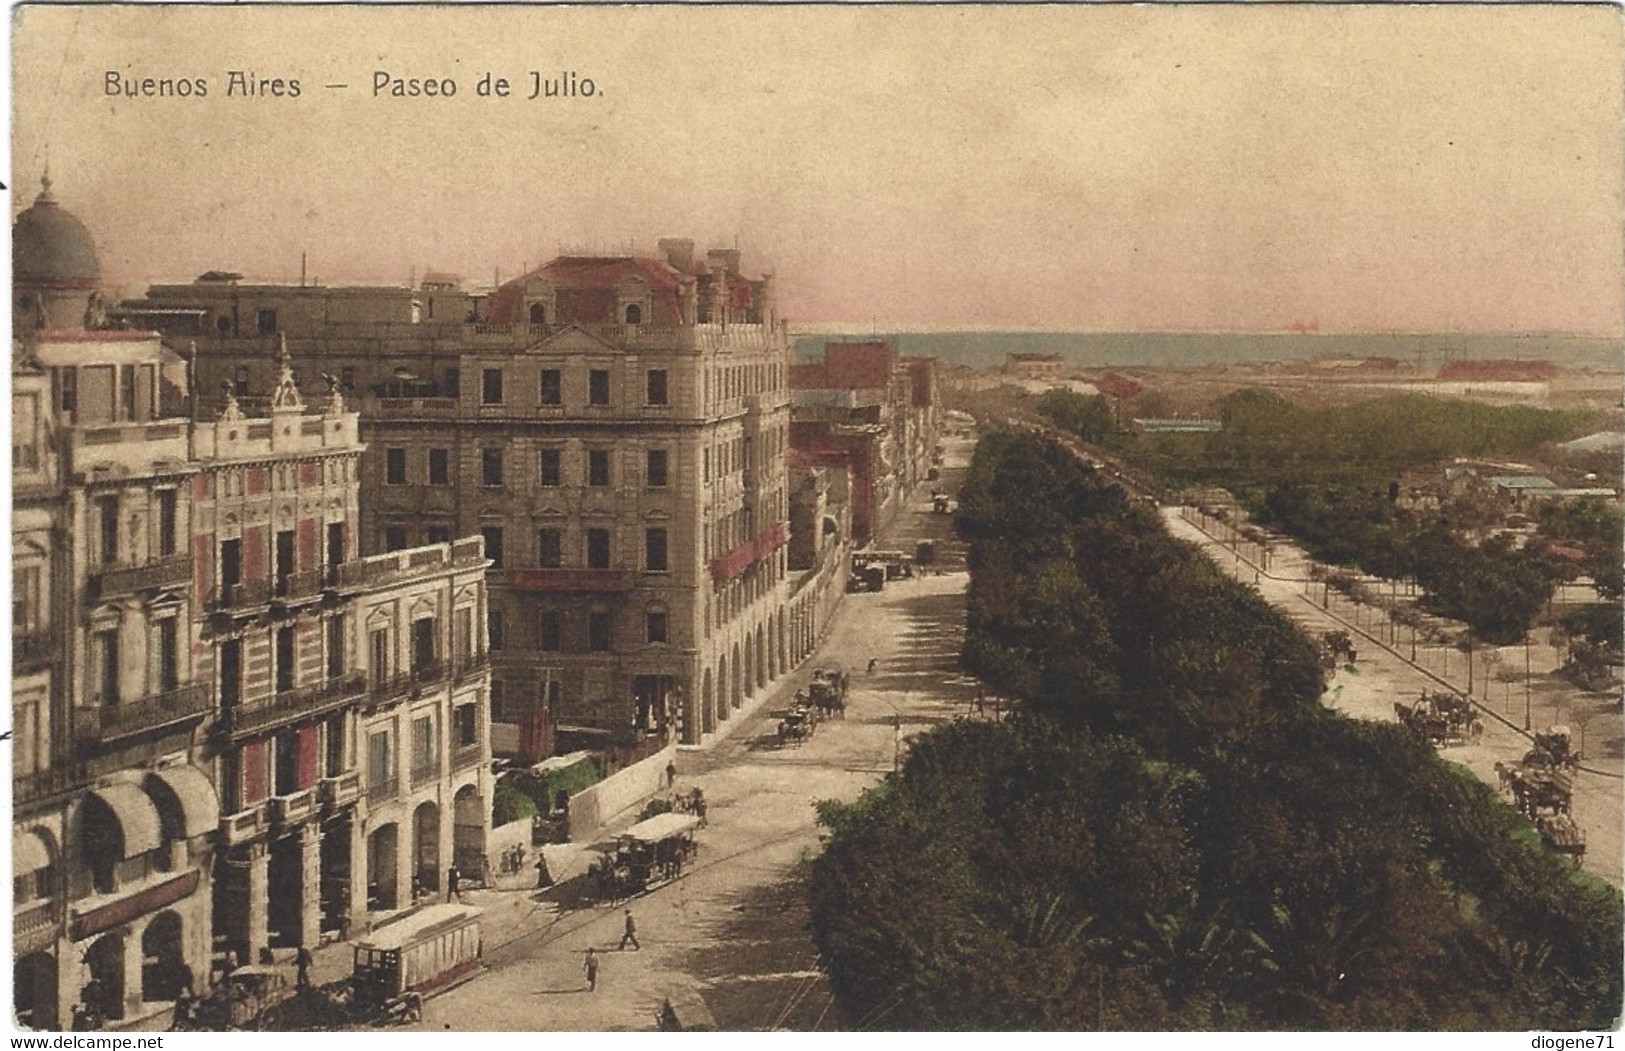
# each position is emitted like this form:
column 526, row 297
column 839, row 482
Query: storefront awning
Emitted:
column 137, row 817
column 28, row 853
column 187, row 790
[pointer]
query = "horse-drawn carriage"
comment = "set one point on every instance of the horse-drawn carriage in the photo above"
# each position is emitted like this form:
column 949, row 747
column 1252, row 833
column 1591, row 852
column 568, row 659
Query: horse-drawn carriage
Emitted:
column 1337, row 647
column 1443, row 718
column 647, row 855
column 1541, row 788
column 798, row 723
column 1554, row 750
column 827, row 691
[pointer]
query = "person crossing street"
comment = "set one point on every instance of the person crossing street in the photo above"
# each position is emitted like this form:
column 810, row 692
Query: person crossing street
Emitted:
column 631, row 934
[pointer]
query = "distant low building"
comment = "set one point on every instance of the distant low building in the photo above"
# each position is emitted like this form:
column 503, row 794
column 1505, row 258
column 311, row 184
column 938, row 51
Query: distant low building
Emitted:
column 1033, row 366
column 1178, row 426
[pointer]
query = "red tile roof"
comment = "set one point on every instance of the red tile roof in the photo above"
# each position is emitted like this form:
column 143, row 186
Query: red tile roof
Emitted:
column 585, row 275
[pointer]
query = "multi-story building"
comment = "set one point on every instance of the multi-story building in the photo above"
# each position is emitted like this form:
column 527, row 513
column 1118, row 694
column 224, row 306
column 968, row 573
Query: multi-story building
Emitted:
column 187, row 606
column 614, row 427
column 876, row 412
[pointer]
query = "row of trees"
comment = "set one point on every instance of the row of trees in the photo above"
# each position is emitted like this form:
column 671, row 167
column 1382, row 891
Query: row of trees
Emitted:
column 1172, row 832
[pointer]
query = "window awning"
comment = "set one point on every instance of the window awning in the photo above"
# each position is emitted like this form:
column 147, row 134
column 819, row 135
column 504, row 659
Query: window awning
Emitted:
column 29, row 853
column 186, row 790
column 137, row 817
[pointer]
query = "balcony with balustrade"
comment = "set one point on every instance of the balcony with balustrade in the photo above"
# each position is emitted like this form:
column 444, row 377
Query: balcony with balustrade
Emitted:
column 110, row 722
column 244, row 826
column 302, row 702
column 292, row 807
column 156, row 574
column 339, row 789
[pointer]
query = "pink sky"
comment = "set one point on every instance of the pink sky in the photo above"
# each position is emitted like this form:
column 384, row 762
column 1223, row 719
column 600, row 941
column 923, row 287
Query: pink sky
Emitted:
column 1449, row 169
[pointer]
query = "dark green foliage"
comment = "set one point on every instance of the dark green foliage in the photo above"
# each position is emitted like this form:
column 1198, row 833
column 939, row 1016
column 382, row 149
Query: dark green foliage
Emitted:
column 1171, row 833
column 525, row 794
column 1089, row 417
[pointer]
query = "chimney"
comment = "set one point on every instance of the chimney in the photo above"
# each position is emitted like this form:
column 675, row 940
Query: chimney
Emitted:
column 678, row 252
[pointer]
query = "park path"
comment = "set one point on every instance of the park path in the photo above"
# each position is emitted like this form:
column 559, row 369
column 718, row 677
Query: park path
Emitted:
column 1384, row 674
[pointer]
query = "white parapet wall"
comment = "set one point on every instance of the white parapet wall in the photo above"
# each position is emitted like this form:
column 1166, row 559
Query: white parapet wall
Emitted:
column 598, row 805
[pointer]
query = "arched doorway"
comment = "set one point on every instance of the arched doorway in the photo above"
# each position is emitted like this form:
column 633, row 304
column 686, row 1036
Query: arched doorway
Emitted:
column 164, row 972
column 538, row 314
column 468, row 831
column 104, row 991
column 426, row 847
column 737, row 697
column 708, row 713
column 382, row 847
column 722, row 689
column 782, row 645
column 33, row 981
column 749, row 669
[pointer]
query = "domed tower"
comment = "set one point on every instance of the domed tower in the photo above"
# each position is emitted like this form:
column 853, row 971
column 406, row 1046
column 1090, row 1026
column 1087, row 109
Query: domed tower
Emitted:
column 55, row 274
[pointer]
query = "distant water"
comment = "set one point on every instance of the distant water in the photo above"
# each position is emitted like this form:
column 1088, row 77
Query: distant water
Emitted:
column 1087, row 350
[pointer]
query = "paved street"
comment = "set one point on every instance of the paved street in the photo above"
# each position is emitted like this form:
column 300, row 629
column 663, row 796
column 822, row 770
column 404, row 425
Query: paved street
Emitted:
column 728, row 941
column 1383, row 676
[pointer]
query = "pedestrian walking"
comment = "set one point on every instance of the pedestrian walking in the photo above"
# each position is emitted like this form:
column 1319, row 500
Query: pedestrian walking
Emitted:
column 872, row 662
column 544, row 879
column 301, row 962
column 591, row 967
column 671, row 774
column 631, row 934
column 454, row 879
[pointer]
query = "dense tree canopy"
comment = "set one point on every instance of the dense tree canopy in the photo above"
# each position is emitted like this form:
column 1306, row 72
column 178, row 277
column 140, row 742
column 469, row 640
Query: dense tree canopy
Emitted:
column 1171, row 832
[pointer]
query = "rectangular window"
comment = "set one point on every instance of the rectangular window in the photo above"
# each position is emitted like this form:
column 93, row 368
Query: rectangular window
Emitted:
column 26, row 600
column 491, row 386
column 551, row 473
column 347, row 377
column 169, row 655
column 284, row 559
column 468, row 726
column 380, row 654
column 597, row 549
column 240, row 377
column 654, row 550
column 499, row 706
column 284, row 660
column 380, row 764
column 494, row 629
column 451, row 387
column 394, row 466
column 107, row 518
column 598, row 387
column 70, row 390
column 493, row 545
column 231, row 673
column 598, row 467
column 549, row 548
column 424, row 643
column 439, row 466
column 231, row 563
column 598, row 632
column 394, row 538
column 550, row 630
column 491, row 467
column 552, row 387
column 166, row 521
column 267, row 322
column 654, row 472
column 705, row 472
column 126, row 392
column 438, row 534
column 655, row 622
column 463, row 634
column 335, row 544
column 657, row 386
column 335, row 645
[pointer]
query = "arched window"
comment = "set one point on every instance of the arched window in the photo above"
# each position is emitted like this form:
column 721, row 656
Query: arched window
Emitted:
column 538, row 314
column 634, row 314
